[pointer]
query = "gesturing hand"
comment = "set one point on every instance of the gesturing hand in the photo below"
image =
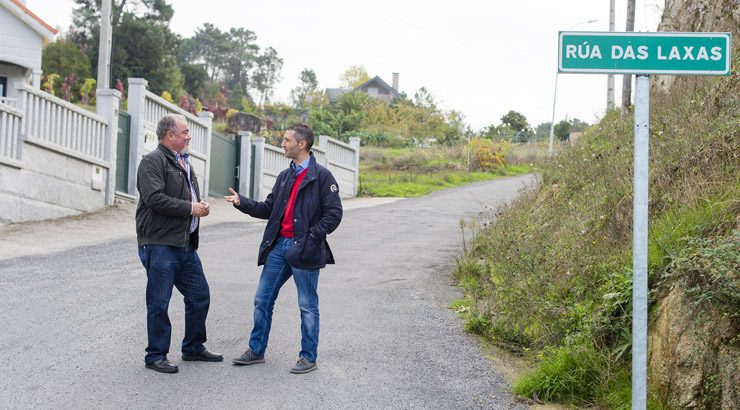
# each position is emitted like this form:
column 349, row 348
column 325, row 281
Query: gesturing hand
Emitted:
column 233, row 198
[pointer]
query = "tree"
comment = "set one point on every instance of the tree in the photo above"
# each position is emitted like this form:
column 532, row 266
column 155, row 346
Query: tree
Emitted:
column 562, row 130
column 241, row 58
column 143, row 45
column 518, row 122
column 155, row 61
column 268, row 73
column 207, row 48
column 578, row 125
column 542, row 131
column 424, row 99
column 353, row 77
column 515, row 120
column 308, row 85
column 63, row 57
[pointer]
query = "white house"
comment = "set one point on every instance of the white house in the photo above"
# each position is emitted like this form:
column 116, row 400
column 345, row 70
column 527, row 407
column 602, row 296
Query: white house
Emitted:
column 22, row 37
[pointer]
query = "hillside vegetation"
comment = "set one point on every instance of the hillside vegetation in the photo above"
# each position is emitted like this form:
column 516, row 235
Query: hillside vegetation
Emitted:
column 551, row 277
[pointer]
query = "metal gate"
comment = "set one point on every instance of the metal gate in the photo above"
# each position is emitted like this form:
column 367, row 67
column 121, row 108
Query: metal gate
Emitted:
column 224, row 164
column 122, row 151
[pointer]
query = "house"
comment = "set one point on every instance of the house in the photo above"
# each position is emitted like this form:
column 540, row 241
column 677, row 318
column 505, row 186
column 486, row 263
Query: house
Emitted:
column 22, row 38
column 374, row 87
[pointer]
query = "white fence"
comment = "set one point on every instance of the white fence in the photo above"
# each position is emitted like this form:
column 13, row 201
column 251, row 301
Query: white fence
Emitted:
column 146, row 109
column 257, row 178
column 57, row 124
column 10, row 127
column 343, row 160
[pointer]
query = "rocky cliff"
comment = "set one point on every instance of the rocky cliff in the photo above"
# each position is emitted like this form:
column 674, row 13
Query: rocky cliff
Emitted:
column 694, row 359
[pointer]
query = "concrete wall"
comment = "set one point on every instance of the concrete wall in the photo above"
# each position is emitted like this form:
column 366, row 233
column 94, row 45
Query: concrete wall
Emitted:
column 50, row 184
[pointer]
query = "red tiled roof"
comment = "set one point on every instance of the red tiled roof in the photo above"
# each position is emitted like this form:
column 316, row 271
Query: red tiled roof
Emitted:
column 35, row 17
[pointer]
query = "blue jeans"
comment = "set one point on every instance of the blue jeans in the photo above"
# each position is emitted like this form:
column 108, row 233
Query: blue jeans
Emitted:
column 167, row 266
column 274, row 274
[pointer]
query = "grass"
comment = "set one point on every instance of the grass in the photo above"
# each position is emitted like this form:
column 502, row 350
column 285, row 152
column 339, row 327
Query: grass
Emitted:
column 410, row 172
column 409, row 184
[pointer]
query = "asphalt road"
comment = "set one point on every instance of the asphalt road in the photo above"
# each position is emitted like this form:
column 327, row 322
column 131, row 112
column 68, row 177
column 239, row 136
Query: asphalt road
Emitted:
column 73, row 321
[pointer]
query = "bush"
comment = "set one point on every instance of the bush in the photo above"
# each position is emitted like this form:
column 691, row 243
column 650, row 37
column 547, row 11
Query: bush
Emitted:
column 486, row 155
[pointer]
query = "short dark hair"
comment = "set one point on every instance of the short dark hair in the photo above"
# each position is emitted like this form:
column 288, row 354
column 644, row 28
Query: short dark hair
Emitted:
column 303, row 133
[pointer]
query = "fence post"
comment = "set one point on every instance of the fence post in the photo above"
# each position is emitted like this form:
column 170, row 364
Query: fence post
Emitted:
column 23, row 126
column 259, row 149
column 245, row 163
column 354, row 142
column 324, row 145
column 207, row 118
column 107, row 106
column 136, row 107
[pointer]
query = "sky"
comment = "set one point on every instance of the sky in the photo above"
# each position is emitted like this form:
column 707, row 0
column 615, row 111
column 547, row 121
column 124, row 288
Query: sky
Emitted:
column 479, row 57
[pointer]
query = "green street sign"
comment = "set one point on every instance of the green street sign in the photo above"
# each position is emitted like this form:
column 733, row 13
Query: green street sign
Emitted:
column 644, row 53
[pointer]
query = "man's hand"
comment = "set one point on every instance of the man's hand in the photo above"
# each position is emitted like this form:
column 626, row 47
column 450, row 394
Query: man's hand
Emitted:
column 201, row 209
column 233, row 198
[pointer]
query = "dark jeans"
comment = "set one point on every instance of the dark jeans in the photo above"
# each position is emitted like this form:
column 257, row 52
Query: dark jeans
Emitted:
column 274, row 274
column 167, row 266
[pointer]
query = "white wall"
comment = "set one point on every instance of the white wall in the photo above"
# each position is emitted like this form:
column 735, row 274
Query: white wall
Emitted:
column 19, row 44
column 16, row 76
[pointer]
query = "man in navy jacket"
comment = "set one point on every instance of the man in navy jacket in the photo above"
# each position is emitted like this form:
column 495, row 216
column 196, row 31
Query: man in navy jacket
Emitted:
column 302, row 209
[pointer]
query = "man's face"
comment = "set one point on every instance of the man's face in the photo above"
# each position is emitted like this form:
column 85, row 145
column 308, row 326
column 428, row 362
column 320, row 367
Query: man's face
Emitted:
column 291, row 145
column 179, row 140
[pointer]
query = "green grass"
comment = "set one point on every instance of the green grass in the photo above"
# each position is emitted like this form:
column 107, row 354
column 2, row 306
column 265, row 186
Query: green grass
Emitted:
column 409, row 184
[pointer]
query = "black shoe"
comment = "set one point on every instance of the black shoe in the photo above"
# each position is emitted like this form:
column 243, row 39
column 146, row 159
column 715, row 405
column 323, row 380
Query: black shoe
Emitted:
column 162, row 366
column 249, row 357
column 204, row 356
column 303, row 366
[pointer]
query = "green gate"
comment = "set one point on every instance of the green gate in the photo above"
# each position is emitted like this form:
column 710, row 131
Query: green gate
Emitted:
column 224, row 164
column 122, row 150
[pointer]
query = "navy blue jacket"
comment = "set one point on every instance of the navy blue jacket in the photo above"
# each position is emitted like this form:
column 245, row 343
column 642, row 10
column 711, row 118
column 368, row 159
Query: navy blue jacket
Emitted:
column 317, row 212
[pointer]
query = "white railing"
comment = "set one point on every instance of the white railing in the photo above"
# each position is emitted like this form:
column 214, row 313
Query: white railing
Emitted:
column 340, row 153
column 10, row 127
column 155, row 107
column 13, row 102
column 320, row 155
column 56, row 123
column 274, row 160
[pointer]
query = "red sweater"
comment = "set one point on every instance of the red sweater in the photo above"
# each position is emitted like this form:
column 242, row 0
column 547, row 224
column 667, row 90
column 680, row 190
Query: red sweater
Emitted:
column 286, row 227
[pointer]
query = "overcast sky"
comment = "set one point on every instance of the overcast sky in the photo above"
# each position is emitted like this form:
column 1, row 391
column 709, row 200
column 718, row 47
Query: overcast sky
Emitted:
column 482, row 58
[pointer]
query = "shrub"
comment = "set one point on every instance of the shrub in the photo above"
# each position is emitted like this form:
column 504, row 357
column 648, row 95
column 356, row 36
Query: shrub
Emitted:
column 486, row 155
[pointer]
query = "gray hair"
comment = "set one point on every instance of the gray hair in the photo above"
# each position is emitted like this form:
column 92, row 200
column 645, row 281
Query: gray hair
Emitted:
column 169, row 123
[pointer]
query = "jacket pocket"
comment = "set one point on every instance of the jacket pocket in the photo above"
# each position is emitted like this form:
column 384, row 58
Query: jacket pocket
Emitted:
column 307, row 250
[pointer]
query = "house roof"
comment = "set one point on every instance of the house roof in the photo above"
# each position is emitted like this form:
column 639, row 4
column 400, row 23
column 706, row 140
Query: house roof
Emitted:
column 27, row 16
column 382, row 83
column 334, row 93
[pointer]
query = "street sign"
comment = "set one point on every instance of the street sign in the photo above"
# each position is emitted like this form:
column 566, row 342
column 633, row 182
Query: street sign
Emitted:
column 644, row 53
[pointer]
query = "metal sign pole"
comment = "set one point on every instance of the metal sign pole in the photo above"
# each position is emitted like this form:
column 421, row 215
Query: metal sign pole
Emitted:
column 640, row 243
